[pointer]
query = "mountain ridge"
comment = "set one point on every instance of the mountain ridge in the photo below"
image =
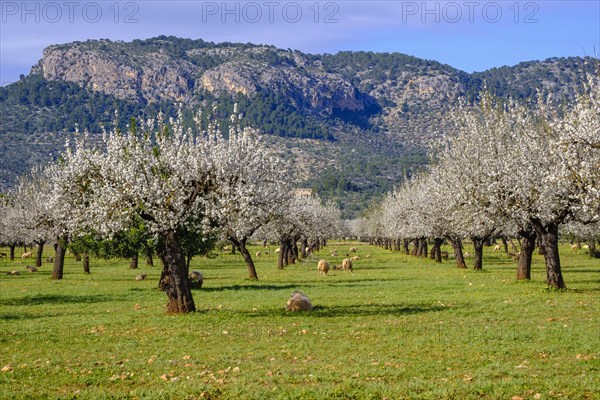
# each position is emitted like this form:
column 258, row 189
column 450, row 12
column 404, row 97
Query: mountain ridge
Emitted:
column 368, row 115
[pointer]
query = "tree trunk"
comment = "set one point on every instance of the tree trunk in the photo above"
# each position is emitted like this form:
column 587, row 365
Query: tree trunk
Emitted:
column 540, row 244
column 405, row 243
column 39, row 254
column 415, row 249
column 458, row 253
column 594, row 252
column 289, row 253
column 241, row 245
column 504, row 244
column 174, row 277
column 478, row 250
column 12, row 251
column 527, row 248
column 424, row 247
column 149, row 260
column 59, row 258
column 436, row 250
column 86, row 263
column 304, row 247
column 252, row 275
column 549, row 241
column 281, row 255
column 134, row 262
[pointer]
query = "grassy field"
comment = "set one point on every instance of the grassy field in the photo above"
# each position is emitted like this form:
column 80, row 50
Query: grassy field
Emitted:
column 396, row 328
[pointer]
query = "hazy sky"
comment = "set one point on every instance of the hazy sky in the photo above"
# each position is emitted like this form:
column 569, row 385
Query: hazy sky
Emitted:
column 469, row 35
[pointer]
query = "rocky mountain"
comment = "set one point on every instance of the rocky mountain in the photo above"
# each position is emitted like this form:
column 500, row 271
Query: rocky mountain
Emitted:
column 354, row 124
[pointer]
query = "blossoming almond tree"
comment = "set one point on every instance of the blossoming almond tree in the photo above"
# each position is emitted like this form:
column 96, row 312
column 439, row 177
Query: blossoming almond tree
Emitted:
column 162, row 175
column 252, row 189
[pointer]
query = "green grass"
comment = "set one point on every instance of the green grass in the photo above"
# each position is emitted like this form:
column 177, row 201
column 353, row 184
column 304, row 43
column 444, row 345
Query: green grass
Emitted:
column 396, row 328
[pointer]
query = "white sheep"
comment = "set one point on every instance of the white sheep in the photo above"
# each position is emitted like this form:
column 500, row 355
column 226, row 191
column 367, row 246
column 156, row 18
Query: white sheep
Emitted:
column 323, row 267
column 298, row 302
column 141, row 277
column 258, row 254
column 497, row 248
column 31, row 269
column 353, row 249
column 347, row 264
column 27, row 255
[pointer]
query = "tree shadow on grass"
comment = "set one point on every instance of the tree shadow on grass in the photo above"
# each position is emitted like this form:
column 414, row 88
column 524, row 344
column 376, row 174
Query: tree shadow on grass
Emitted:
column 252, row 287
column 57, row 299
column 356, row 310
column 7, row 316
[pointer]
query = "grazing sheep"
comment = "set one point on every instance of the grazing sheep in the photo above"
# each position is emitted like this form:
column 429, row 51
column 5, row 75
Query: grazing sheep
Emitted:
column 2, row 255
column 31, row 269
column 444, row 255
column 337, row 268
column 466, row 255
column 258, row 254
column 353, row 249
column 196, row 278
column 323, row 267
column 307, row 250
column 334, row 254
column 585, row 247
column 514, row 256
column 50, row 259
column 277, row 250
column 497, row 248
column 368, row 256
column 14, row 273
column 355, row 258
column 298, row 302
column 27, row 255
column 225, row 248
column 141, row 277
column 347, row 264
column 575, row 246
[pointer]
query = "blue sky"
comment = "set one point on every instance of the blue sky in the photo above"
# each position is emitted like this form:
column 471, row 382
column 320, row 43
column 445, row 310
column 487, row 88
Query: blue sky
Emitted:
column 471, row 35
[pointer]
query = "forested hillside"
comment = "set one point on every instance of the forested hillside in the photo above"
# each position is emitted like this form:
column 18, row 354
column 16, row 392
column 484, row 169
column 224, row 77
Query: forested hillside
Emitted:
column 354, row 124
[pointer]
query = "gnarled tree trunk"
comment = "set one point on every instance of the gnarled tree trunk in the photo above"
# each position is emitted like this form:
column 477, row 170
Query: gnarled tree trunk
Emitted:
column 549, row 241
column 241, row 245
column 39, row 254
column 458, row 253
column 478, row 250
column 59, row 258
column 436, row 250
column 174, row 276
column 527, row 248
